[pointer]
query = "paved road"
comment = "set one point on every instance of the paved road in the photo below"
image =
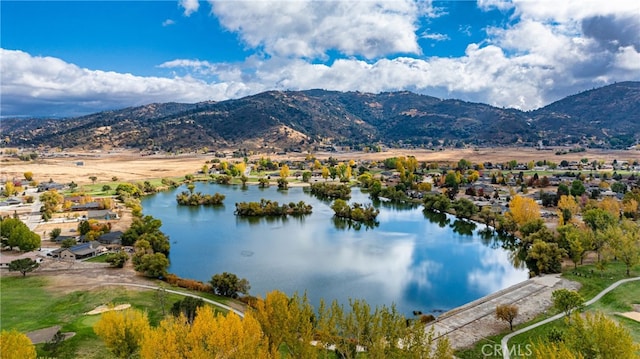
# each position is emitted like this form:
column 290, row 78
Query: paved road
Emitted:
column 218, row 304
column 505, row 339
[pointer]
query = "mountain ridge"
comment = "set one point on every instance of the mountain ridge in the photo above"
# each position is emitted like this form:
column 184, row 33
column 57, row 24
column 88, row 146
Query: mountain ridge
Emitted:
column 607, row 117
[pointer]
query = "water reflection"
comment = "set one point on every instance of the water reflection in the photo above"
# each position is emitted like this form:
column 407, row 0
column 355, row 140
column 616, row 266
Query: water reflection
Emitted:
column 346, row 224
column 463, row 227
column 404, row 259
column 439, row 218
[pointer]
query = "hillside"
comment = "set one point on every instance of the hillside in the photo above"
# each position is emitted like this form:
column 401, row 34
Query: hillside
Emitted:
column 606, row 117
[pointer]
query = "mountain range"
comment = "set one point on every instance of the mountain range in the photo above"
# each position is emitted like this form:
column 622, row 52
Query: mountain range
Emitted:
column 606, row 117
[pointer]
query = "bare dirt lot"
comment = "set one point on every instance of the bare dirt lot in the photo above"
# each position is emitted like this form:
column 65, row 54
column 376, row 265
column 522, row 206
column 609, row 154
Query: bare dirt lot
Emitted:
column 134, row 166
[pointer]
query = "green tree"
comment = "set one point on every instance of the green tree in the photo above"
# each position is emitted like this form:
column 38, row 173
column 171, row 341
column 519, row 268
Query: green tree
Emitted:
column 23, row 265
column 306, row 176
column 625, row 243
column 229, row 285
column 118, row 259
column 187, row 307
column 55, row 233
column 152, row 265
column 546, row 256
column 68, row 243
column 93, row 179
column 464, row 208
column 577, row 188
column 566, row 300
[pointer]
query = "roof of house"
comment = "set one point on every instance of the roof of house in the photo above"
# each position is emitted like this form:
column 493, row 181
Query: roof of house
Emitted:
column 85, row 248
column 110, row 237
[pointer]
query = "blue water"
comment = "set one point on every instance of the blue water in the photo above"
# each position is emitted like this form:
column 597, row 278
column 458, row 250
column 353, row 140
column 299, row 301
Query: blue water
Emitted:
column 407, row 259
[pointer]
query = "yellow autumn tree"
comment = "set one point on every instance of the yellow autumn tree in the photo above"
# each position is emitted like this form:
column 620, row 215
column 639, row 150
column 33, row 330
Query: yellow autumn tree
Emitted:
column 16, row 345
column 122, row 331
column 284, row 171
column 567, row 209
column 611, row 205
column 210, row 336
column 523, row 210
column 285, row 322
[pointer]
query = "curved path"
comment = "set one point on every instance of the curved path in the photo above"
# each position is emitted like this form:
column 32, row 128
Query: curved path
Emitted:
column 217, row 304
column 505, row 340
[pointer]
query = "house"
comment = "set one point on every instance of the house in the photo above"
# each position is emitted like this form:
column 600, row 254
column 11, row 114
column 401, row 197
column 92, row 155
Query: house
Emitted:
column 102, row 214
column 50, row 186
column 111, row 238
column 85, row 207
column 80, row 251
column 10, row 202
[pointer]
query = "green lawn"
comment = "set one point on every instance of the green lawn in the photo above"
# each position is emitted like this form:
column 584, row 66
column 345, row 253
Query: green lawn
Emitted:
column 593, row 282
column 27, row 303
column 98, row 259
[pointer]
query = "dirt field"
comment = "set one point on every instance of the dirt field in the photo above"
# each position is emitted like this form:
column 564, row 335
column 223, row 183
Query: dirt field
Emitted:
column 133, row 166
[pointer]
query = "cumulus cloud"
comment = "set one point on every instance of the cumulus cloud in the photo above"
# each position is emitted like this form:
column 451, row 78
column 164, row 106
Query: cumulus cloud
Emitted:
column 189, row 6
column 168, row 22
column 310, row 29
column 57, row 87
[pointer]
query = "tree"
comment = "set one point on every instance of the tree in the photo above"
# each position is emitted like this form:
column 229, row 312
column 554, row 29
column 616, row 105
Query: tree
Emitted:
column 464, row 208
column 508, row 313
column 9, row 189
column 577, row 188
column 23, row 265
column 591, row 336
column 625, row 243
column 68, row 243
column 151, row 265
column 28, row 176
column 118, row 259
column 523, row 209
column 16, row 345
column 212, row 335
column 566, row 300
column 229, row 285
column 284, row 172
column 306, row 176
column 568, row 208
column 122, row 331
column 546, row 256
column 17, row 234
column 55, row 233
column 93, row 179
column 287, row 322
column 187, row 307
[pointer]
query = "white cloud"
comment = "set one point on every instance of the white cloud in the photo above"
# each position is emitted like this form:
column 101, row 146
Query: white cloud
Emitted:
column 57, row 87
column 190, row 6
column 502, row 5
column 310, row 29
column 434, row 36
column 168, row 22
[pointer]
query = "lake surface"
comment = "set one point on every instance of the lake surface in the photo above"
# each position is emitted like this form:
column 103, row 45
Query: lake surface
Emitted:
column 409, row 260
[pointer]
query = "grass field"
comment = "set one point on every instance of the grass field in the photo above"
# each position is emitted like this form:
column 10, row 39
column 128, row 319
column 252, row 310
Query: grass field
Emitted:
column 30, row 303
column 593, row 281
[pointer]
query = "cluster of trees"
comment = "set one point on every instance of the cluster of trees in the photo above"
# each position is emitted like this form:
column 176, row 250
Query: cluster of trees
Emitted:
column 229, row 285
column 14, row 233
column 276, row 327
column 356, row 212
column 271, row 208
column 330, row 190
column 52, row 202
column 91, row 229
column 587, row 336
column 151, row 246
column 195, row 199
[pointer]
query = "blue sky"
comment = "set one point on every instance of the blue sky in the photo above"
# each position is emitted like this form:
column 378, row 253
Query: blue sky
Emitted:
column 78, row 57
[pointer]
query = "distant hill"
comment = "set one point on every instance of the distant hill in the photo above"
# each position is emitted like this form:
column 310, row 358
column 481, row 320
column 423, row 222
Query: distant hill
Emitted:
column 299, row 120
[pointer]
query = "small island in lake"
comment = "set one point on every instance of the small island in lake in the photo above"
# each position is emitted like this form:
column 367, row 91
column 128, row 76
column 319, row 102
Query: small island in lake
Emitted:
column 196, row 199
column 271, row 208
